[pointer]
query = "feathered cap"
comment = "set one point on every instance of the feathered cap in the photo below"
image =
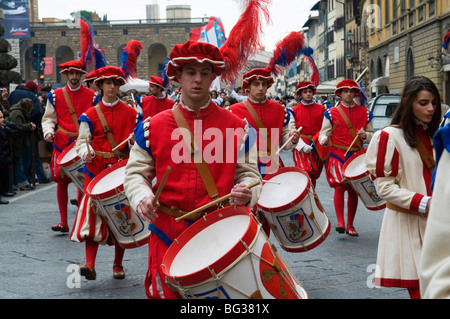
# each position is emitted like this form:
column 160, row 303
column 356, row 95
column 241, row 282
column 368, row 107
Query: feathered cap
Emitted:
column 286, row 51
column 110, row 72
column 86, row 50
column 305, row 85
column 243, row 41
column 347, row 84
column 156, row 80
column 257, row 74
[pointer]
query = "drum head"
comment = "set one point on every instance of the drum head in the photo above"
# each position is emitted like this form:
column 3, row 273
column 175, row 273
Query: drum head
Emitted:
column 285, row 187
column 212, row 243
column 112, row 180
column 70, row 155
column 209, row 245
column 355, row 165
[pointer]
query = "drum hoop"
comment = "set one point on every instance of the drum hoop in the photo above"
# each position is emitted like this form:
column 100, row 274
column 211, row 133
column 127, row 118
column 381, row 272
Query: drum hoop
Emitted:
column 347, row 163
column 236, row 253
column 111, row 192
column 296, row 201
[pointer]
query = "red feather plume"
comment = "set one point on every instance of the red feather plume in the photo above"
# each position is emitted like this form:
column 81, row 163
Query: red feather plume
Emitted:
column 130, row 57
column 286, row 51
column 244, row 39
column 315, row 76
column 86, row 43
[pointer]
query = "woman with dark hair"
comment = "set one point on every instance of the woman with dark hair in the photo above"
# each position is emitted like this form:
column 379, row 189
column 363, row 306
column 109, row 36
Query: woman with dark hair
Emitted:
column 400, row 161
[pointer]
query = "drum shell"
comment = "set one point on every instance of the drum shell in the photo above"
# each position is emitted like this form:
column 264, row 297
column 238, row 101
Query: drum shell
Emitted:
column 72, row 167
column 235, row 275
column 107, row 204
column 362, row 184
column 283, row 220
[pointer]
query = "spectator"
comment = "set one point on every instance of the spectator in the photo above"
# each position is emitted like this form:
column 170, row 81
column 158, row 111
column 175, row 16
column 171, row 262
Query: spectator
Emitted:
column 20, row 115
column 5, row 158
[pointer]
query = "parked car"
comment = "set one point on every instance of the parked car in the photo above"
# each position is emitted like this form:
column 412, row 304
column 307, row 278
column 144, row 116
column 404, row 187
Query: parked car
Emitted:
column 382, row 107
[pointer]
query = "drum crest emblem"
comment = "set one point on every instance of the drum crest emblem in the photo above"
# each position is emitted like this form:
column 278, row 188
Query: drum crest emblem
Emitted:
column 122, row 215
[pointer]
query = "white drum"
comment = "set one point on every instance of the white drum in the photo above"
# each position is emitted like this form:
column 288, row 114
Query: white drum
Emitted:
column 107, row 193
column 72, row 165
column 293, row 210
column 357, row 176
column 226, row 255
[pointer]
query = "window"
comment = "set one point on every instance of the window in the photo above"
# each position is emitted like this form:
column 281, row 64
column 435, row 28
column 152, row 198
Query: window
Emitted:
column 431, row 8
column 125, row 32
column 409, row 64
column 63, row 33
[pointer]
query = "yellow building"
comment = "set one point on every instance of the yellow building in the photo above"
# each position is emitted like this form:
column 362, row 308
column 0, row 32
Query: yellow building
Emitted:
column 405, row 39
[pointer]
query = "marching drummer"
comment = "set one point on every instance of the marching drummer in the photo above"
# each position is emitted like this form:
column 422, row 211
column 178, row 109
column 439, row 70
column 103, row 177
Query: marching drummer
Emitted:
column 157, row 101
column 102, row 129
column 269, row 118
column 346, row 128
column 309, row 116
column 193, row 181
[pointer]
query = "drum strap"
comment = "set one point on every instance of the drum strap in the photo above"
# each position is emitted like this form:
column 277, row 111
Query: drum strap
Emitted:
column 202, row 167
column 260, row 125
column 427, row 158
column 105, row 126
column 403, row 210
column 71, row 109
column 349, row 126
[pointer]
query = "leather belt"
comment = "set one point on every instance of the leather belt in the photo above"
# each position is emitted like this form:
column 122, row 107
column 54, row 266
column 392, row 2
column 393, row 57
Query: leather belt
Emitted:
column 70, row 134
column 121, row 154
column 343, row 147
column 176, row 212
column 404, row 210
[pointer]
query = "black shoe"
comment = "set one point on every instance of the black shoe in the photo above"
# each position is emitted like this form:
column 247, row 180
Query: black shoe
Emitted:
column 4, row 202
column 8, row 194
column 27, row 187
column 44, row 181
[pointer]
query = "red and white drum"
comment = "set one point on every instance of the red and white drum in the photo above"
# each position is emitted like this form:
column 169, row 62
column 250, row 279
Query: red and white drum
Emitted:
column 292, row 208
column 72, row 165
column 356, row 174
column 107, row 193
column 226, row 255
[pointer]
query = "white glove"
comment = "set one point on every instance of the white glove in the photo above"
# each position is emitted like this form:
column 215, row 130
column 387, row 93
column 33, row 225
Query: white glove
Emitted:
column 307, row 149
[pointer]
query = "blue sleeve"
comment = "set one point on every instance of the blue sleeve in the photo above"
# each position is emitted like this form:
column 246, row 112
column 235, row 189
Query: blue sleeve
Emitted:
column 84, row 118
column 139, row 137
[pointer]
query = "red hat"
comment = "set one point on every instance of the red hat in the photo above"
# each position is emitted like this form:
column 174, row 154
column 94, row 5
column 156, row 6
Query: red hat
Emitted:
column 192, row 51
column 257, row 74
column 156, row 80
column 30, row 85
column 91, row 76
column 305, row 85
column 347, row 84
column 74, row 66
column 110, row 72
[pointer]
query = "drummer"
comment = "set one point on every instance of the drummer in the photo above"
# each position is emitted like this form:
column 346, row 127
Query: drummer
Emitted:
column 157, row 101
column 193, row 182
column 60, row 127
column 102, row 128
column 269, row 118
column 347, row 127
column 309, row 116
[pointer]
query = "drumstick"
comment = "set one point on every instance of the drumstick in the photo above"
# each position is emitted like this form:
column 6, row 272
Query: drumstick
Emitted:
column 214, row 202
column 128, row 138
column 161, row 186
column 123, row 142
column 354, row 140
column 270, row 182
column 284, row 145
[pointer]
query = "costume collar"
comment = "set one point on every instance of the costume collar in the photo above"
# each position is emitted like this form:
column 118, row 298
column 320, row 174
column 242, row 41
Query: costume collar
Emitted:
column 110, row 104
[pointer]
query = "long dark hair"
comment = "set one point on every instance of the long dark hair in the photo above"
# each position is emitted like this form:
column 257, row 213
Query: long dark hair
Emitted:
column 403, row 115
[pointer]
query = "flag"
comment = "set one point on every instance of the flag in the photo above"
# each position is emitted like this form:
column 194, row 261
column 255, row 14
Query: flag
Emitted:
column 212, row 33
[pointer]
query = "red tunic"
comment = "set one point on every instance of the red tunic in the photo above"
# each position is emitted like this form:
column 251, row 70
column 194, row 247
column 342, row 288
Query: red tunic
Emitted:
column 81, row 99
column 310, row 117
column 273, row 117
column 184, row 188
column 152, row 106
column 121, row 119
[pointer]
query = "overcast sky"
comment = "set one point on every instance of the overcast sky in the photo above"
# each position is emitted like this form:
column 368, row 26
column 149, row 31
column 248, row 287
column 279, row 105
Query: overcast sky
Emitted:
column 286, row 15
